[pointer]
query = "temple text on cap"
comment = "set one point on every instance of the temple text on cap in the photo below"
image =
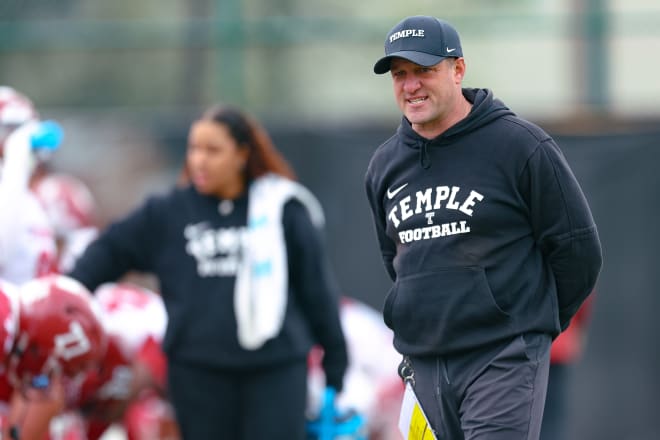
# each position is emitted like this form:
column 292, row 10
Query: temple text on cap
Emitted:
column 407, row 33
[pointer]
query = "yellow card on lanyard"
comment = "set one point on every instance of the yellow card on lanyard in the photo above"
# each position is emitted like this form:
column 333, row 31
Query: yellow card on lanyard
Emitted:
column 413, row 423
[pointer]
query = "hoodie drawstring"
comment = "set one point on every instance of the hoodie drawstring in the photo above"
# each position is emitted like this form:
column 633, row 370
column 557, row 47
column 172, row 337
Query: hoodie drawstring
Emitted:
column 424, row 158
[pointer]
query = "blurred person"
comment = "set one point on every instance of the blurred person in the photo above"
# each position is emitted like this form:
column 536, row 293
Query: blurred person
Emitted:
column 51, row 338
column 71, row 209
column 68, row 202
column 565, row 353
column 486, row 235
column 129, row 389
column 246, row 283
column 372, row 387
column 27, row 241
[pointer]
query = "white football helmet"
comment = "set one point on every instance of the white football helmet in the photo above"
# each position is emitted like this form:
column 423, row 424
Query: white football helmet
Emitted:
column 15, row 110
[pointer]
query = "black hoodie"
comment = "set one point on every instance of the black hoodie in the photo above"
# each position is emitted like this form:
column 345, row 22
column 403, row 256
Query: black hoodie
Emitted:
column 193, row 250
column 484, row 231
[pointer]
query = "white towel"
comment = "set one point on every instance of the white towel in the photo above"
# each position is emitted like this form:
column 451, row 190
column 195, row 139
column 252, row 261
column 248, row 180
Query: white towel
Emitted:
column 261, row 290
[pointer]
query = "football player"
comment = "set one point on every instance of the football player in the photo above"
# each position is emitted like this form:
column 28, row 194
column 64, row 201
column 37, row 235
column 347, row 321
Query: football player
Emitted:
column 52, row 337
column 27, row 241
column 129, row 390
column 71, row 209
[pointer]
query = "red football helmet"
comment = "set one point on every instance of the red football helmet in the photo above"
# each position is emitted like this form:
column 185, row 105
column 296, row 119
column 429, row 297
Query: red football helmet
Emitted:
column 59, row 332
column 15, row 109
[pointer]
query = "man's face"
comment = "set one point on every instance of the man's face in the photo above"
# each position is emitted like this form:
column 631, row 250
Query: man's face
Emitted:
column 427, row 95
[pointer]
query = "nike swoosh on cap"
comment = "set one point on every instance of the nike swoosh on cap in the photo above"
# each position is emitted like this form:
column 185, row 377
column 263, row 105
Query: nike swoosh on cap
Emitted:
column 450, row 50
column 392, row 193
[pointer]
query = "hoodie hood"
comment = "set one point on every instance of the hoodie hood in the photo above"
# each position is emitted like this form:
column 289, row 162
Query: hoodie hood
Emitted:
column 485, row 109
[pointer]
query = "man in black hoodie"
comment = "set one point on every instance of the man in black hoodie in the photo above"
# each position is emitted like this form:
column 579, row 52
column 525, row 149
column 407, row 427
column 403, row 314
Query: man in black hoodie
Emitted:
column 487, row 236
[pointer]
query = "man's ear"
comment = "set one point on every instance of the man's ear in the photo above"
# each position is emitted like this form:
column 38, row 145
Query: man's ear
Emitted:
column 459, row 69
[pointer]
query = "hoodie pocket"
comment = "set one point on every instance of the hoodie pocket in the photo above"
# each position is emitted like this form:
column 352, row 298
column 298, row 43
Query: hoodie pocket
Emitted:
column 446, row 310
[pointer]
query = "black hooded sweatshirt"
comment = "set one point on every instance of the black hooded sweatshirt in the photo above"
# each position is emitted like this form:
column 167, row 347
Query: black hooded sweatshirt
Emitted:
column 193, row 249
column 484, row 231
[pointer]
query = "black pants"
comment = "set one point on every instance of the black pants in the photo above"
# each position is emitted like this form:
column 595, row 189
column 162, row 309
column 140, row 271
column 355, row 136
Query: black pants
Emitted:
column 238, row 404
column 492, row 394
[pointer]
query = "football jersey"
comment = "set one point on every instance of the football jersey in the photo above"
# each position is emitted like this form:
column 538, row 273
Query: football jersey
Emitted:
column 9, row 315
column 27, row 239
column 134, row 318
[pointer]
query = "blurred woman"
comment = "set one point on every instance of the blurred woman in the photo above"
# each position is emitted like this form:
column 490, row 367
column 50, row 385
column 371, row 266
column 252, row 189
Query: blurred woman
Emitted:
column 239, row 257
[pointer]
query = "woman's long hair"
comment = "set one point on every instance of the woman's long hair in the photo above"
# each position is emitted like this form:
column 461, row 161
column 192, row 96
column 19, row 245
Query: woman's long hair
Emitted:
column 263, row 156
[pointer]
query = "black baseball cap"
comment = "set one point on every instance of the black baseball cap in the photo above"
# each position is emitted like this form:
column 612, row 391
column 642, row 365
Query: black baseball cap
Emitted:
column 421, row 39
